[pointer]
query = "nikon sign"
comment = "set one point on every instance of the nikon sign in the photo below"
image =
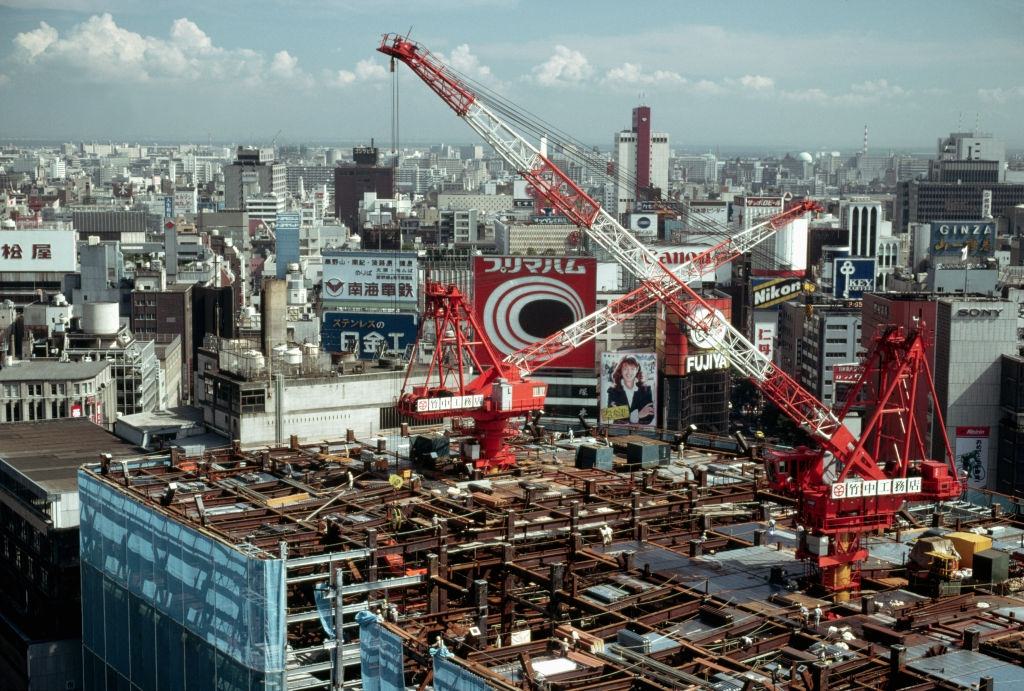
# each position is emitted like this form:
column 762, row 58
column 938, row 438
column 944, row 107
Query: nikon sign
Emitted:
column 775, row 292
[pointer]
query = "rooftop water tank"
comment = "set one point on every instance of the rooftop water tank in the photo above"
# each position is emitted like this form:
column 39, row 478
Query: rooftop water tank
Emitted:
column 101, row 318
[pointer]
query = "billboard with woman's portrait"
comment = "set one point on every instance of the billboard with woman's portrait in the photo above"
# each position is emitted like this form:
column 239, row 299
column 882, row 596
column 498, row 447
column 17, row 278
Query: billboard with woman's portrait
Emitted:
column 629, row 394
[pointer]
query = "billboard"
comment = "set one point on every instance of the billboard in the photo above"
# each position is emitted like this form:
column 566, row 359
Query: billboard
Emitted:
column 38, row 250
column 952, row 238
column 774, row 291
column 847, row 372
column 681, row 350
column 702, row 212
column 522, row 300
column 644, row 225
column 674, row 255
column 971, row 451
column 750, row 210
column 766, row 324
column 286, row 235
column 287, row 220
column 168, row 207
column 367, row 334
column 185, row 200
column 385, row 278
column 853, row 276
column 629, row 389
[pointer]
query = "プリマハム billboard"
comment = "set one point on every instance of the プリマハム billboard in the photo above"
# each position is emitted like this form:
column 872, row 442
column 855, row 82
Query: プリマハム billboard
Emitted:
column 522, row 300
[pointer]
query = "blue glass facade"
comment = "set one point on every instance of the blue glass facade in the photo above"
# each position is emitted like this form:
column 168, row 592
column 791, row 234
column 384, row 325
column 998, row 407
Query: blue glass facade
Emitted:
column 166, row 607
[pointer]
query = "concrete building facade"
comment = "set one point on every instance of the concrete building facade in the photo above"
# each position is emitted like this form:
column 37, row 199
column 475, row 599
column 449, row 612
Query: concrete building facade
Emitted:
column 49, row 390
column 971, row 336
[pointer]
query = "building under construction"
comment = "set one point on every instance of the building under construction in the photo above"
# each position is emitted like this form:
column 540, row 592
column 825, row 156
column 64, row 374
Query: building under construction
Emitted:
column 657, row 567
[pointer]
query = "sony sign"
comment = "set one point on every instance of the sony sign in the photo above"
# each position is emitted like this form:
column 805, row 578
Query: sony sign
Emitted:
column 976, row 312
column 430, row 405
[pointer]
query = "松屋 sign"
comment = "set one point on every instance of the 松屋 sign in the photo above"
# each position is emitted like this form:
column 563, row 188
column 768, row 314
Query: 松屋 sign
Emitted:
column 38, row 250
column 854, row 489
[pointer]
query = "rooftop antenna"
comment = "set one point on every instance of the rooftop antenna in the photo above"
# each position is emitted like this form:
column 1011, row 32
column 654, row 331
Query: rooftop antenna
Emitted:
column 977, row 122
column 960, row 121
column 864, row 151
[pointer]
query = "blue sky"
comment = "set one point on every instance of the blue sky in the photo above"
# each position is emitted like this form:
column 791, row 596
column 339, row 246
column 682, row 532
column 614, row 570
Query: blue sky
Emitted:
column 806, row 75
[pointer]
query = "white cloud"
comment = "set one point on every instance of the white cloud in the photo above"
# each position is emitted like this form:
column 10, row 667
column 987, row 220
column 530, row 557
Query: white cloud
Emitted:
column 1001, row 95
column 863, row 93
column 32, row 44
column 98, row 49
column 877, row 88
column 364, row 71
column 630, row 74
column 564, row 67
column 188, row 35
column 59, row 5
column 462, row 60
column 4, row 79
column 368, row 70
column 341, row 78
column 285, row 67
column 708, row 87
column 756, row 81
column 812, row 95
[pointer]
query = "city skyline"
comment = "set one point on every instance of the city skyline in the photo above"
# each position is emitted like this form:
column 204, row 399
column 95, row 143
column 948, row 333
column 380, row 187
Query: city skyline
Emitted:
column 800, row 76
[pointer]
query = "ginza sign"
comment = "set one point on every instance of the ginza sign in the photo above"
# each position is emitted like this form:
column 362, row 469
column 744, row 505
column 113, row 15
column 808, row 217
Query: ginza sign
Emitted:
column 854, row 489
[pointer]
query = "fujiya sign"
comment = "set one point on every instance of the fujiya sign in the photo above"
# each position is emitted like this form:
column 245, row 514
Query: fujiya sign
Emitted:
column 429, row 405
column 854, row 489
column 706, row 362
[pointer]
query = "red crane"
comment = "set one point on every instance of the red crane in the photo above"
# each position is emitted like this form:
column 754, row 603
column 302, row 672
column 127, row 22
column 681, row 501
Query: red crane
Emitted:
column 829, row 483
column 502, row 389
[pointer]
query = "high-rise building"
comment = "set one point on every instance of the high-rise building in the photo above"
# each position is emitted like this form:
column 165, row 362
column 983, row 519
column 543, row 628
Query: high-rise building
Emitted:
column 924, row 201
column 310, row 176
column 864, row 221
column 352, row 181
column 158, row 315
column 966, row 181
column 254, row 175
column 971, row 336
column 971, row 146
column 641, row 160
column 1010, row 454
column 133, row 363
column 40, row 629
column 694, row 378
column 702, row 168
column 102, row 277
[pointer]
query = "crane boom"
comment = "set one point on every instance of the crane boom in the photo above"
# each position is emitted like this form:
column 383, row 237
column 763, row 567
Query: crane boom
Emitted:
column 537, row 355
column 563, row 193
column 844, row 491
